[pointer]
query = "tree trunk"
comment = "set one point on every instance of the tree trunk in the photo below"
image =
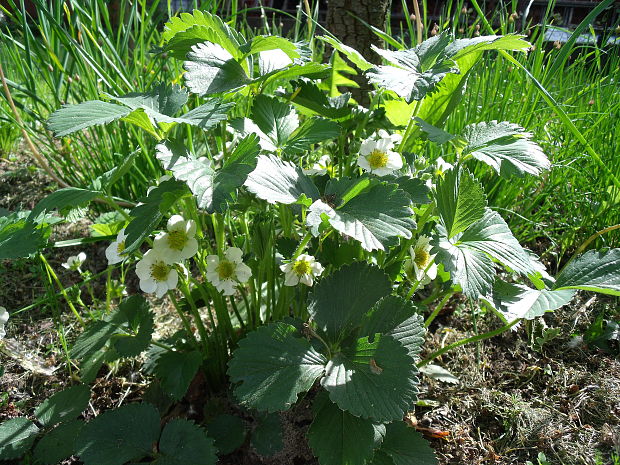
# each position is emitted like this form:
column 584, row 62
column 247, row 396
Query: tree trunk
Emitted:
column 342, row 22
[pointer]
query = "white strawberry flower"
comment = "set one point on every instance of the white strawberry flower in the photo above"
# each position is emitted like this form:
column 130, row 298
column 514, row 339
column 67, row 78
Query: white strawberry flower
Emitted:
column 4, row 317
column 394, row 138
column 115, row 251
column 74, row 262
column 320, row 167
column 301, row 270
column 225, row 273
column 377, row 157
column 179, row 242
column 420, row 266
column 441, row 166
column 156, row 275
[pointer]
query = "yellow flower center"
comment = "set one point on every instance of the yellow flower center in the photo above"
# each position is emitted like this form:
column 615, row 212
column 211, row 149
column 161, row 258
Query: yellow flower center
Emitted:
column 177, row 239
column 225, row 270
column 377, row 159
column 120, row 248
column 422, row 258
column 160, row 271
column 301, row 267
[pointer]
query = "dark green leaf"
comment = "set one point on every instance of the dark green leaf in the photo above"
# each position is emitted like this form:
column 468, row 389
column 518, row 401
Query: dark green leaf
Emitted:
column 434, row 134
column 273, row 365
column 20, row 238
column 92, row 339
column 137, row 331
column 64, row 405
column 405, row 446
column 415, row 188
column 57, row 445
column 162, row 101
column 308, row 95
column 176, row 370
column 228, row 432
column 118, row 436
column 597, row 271
column 313, row 131
column 71, row 118
column 16, row 437
column 184, row 443
column 63, row 198
column 267, row 436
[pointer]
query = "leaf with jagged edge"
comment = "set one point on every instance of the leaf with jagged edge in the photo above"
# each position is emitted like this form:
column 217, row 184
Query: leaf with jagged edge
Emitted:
column 336, row 437
column 64, row 405
column 505, row 147
column 63, row 198
column 278, row 181
column 137, row 326
column 182, row 443
column 72, row 118
column 20, row 238
column 57, row 445
column 163, row 99
column 16, row 437
column 403, row 445
column 118, row 436
column 309, row 96
column 416, row 189
column 228, row 433
column 460, row 48
column 597, row 271
column 460, row 200
column 267, row 437
column 272, row 366
column 213, row 188
column 353, row 55
column 372, row 378
column 353, row 290
column 176, row 370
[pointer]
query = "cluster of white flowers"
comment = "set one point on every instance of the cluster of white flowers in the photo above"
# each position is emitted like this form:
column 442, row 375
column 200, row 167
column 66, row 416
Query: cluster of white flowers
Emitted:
column 4, row 317
column 377, row 155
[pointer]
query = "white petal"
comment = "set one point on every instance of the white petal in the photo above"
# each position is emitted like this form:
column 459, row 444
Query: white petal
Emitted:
column 173, row 279
column 286, row 267
column 367, row 147
column 432, row 271
column 190, row 249
column 243, row 272
column 306, row 279
column 148, row 285
column 176, row 222
column 121, row 236
column 190, row 228
column 291, row 279
column 212, row 262
column 227, row 287
column 234, row 254
column 362, row 162
column 161, row 290
column 4, row 315
column 394, row 161
column 317, row 268
column 111, row 253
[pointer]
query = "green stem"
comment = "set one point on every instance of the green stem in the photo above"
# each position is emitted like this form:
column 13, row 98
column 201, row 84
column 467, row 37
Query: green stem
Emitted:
column 204, row 336
column 437, row 309
column 302, row 245
column 52, row 274
column 410, row 126
column 184, row 320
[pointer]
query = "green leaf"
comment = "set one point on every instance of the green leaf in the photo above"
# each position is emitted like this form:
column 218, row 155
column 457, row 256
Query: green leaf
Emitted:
column 63, row 198
column 460, row 200
column 308, row 95
column 338, row 438
column 16, row 437
column 183, row 443
column 276, row 121
column 405, row 446
column 20, row 238
column 148, row 215
column 416, row 189
column 515, row 301
column 72, row 118
column 264, row 43
column 463, row 47
column 267, row 437
column 212, row 188
column 109, row 178
column 373, row 379
column 207, row 115
column 64, row 405
column 228, row 433
column 118, row 436
column 506, row 147
column 434, row 134
column 94, row 337
column 353, row 290
column 597, row 271
column 273, row 365
column 278, row 181
column 57, row 445
column 356, row 57
column 312, row 131
column 138, row 327
column 160, row 103
column 375, row 217
column 310, row 70
column 213, row 70
column 176, row 370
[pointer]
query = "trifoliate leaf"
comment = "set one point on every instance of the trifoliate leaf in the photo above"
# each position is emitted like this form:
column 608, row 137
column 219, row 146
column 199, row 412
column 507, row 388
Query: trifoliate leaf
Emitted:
column 505, row 147
column 278, row 181
column 273, row 365
column 336, row 437
column 375, row 217
column 597, row 271
column 213, row 188
column 64, row 405
column 183, row 443
column 372, row 378
column 267, row 436
column 212, row 70
column 405, row 446
column 516, row 301
column 16, row 437
column 160, row 103
column 118, row 436
column 353, row 290
column 72, row 118
column 460, row 200
column 308, row 95
column 57, row 445
column 228, row 433
column 176, row 370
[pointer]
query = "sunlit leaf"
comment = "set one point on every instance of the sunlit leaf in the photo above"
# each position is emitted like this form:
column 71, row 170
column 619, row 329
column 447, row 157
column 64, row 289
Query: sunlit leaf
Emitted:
column 597, row 271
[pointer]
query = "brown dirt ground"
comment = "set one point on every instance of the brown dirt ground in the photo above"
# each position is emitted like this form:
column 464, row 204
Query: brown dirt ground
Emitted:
column 511, row 402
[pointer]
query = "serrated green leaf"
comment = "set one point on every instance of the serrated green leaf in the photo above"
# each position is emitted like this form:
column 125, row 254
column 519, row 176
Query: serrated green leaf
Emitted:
column 207, row 115
column 434, row 134
column 278, row 181
column 16, row 437
column 228, row 433
column 273, row 365
column 597, row 271
column 210, row 69
column 57, row 445
column 264, row 43
column 353, row 290
column 63, row 198
column 72, row 118
column 516, row 301
column 163, row 100
column 92, row 339
column 276, row 120
column 375, row 217
column 373, row 379
column 212, row 188
column 506, row 147
column 460, row 200
column 356, row 57
column 312, row 131
column 138, row 328
column 147, row 216
column 308, row 95
column 183, row 442
column 176, row 370
column 267, row 437
column 118, row 436
column 338, row 438
column 310, row 70
column 416, row 189
column 405, row 446
column 463, row 47
column 64, row 405
column 20, row 238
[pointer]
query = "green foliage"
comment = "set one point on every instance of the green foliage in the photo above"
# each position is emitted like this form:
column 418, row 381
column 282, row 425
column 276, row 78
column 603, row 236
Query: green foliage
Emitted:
column 597, row 271
column 176, row 370
column 16, row 437
column 19, row 237
column 267, row 437
column 63, row 406
column 58, row 444
column 404, row 445
column 183, row 442
column 72, row 118
column 228, row 433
